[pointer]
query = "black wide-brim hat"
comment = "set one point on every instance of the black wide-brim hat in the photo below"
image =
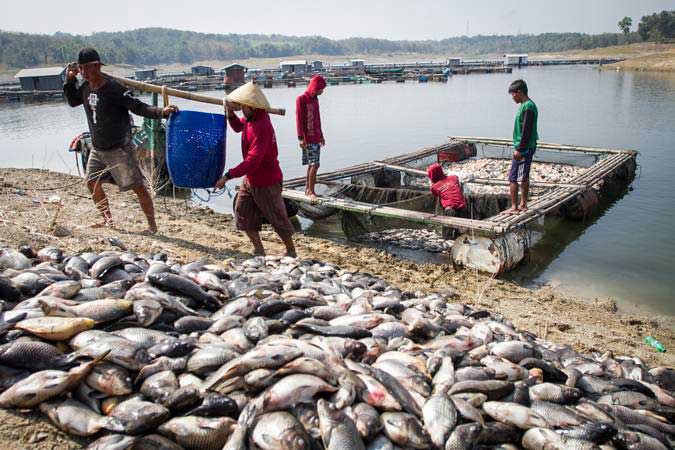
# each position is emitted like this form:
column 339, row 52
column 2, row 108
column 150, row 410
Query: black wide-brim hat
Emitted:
column 88, row 55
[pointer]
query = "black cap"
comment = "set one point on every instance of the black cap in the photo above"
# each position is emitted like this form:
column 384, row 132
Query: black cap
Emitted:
column 88, row 55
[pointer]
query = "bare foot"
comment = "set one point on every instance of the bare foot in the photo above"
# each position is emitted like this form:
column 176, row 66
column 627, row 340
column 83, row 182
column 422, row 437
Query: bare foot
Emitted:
column 258, row 253
column 522, row 208
column 511, row 211
column 292, row 254
column 312, row 197
column 149, row 231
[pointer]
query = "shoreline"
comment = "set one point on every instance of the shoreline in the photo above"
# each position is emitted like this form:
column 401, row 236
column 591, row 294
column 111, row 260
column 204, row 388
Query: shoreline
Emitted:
column 42, row 208
column 191, row 232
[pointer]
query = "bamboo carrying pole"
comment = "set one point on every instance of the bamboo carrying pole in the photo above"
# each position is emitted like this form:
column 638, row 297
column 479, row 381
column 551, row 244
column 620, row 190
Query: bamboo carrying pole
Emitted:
column 147, row 87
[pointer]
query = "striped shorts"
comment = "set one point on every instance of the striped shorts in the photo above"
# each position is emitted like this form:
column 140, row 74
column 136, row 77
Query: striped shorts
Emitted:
column 257, row 202
column 520, row 170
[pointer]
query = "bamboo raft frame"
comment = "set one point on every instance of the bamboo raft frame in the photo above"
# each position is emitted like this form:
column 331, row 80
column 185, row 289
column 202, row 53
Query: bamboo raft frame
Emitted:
column 557, row 194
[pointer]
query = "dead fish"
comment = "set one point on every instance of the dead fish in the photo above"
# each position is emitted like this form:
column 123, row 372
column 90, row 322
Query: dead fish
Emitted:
column 50, row 253
column 405, row 430
column 110, row 380
column 542, row 439
column 137, row 416
column 338, row 432
column 62, row 289
column 32, row 355
column 184, row 286
column 198, row 433
column 515, row 415
column 44, row 385
column 367, row 421
column 279, row 430
column 12, row 259
column 514, row 351
column 115, row 242
column 98, row 310
column 494, row 389
column 159, row 386
column 160, row 364
column 215, row 405
column 464, row 437
column 210, row 358
column 105, row 264
column 554, row 393
column 440, row 417
column 55, row 328
column 8, row 291
column 75, row 418
column 296, row 388
column 118, row 350
column 557, row 415
column 467, row 411
column 113, row 442
column 147, row 311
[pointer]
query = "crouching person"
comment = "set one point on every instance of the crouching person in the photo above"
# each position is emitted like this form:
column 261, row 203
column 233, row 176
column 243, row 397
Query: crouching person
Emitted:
column 260, row 192
column 449, row 192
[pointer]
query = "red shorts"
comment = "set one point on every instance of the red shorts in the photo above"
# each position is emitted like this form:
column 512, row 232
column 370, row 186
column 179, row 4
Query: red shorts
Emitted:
column 256, row 202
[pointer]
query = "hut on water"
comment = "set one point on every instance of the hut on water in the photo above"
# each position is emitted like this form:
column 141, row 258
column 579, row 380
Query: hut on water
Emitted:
column 145, row 74
column 42, row 79
column 202, row 70
column 234, row 74
column 298, row 67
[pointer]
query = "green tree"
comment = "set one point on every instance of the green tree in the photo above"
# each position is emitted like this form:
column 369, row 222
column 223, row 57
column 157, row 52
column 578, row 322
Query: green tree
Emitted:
column 625, row 24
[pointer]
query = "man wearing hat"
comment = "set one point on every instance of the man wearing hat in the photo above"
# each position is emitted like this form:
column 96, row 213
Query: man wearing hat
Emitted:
column 107, row 104
column 260, row 192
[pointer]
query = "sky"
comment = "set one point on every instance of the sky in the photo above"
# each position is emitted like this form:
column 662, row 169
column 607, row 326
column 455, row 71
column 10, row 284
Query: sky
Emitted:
column 387, row 19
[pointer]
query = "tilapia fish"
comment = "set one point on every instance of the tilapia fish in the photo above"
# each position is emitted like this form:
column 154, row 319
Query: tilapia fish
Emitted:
column 281, row 353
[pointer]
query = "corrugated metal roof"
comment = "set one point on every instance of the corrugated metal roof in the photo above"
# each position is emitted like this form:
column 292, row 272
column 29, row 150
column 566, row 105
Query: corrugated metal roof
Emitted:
column 40, row 72
column 233, row 65
column 298, row 62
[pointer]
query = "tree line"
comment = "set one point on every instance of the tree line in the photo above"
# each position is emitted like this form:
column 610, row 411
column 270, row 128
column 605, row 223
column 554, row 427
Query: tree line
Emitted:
column 148, row 46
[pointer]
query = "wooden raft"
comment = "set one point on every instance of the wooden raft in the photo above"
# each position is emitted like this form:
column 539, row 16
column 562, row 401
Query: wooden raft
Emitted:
column 557, row 194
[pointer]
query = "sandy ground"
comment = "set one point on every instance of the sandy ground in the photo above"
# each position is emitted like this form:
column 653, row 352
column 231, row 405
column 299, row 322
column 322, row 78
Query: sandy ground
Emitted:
column 29, row 200
column 647, row 56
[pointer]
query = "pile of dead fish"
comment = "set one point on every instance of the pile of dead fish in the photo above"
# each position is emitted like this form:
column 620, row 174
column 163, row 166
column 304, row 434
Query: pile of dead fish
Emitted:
column 139, row 352
column 415, row 239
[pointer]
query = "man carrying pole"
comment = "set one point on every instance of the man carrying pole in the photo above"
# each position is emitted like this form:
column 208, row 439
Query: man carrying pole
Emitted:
column 107, row 104
column 260, row 192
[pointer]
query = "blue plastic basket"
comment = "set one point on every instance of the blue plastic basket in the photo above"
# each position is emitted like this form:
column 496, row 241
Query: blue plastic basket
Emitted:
column 195, row 148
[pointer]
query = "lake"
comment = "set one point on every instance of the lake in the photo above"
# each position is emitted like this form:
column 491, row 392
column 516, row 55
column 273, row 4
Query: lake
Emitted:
column 627, row 252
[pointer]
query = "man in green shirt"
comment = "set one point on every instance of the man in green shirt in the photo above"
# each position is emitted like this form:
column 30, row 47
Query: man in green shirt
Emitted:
column 524, row 146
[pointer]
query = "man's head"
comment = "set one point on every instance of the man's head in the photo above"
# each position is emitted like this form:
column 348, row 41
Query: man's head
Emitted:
column 316, row 85
column 518, row 91
column 248, row 111
column 89, row 63
column 435, row 172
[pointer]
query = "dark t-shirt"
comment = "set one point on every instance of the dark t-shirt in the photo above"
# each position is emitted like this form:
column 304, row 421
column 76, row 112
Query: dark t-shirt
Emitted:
column 107, row 111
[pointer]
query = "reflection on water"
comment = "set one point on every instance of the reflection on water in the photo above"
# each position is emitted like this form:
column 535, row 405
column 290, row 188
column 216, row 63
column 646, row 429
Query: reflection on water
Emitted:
column 626, row 252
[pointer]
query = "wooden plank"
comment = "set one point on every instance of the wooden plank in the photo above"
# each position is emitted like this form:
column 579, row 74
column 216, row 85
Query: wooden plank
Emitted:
column 153, row 88
column 387, row 211
column 542, row 145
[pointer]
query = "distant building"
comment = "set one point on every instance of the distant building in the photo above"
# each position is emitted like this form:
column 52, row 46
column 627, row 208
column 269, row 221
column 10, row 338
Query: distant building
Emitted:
column 454, row 62
column 234, row 74
column 202, row 70
column 360, row 63
column 515, row 59
column 146, row 74
column 298, row 66
column 42, row 79
column 317, row 65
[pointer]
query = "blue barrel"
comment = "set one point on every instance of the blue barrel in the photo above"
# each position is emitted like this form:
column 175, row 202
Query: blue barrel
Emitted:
column 195, row 148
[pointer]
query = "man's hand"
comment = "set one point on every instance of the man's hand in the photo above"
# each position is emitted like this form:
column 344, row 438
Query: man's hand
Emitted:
column 71, row 71
column 221, row 182
column 323, row 142
column 167, row 111
column 303, row 144
column 232, row 106
column 517, row 155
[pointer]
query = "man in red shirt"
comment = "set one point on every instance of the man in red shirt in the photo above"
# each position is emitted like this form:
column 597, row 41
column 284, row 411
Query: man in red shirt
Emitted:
column 308, row 123
column 260, row 192
column 449, row 192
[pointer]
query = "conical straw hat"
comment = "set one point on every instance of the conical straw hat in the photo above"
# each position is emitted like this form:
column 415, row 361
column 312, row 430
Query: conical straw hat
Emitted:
column 249, row 95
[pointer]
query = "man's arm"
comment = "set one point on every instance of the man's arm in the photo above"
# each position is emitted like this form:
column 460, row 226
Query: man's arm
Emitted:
column 235, row 122
column 300, row 117
column 72, row 93
column 526, row 133
column 262, row 140
column 130, row 102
